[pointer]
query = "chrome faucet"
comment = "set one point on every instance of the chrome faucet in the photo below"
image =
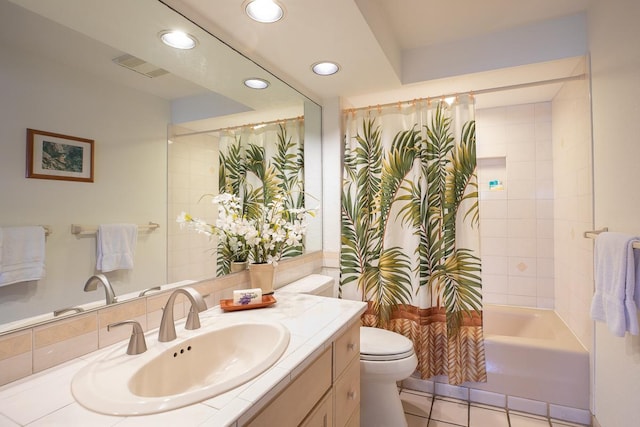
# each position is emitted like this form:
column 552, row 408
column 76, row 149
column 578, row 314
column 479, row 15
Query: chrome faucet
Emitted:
column 167, row 330
column 92, row 285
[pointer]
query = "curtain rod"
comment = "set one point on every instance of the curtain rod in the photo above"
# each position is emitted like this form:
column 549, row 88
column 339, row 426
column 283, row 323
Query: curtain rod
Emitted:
column 200, row 132
column 473, row 92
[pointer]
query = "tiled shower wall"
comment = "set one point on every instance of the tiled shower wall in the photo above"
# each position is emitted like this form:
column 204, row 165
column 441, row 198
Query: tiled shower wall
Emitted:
column 573, row 207
column 514, row 146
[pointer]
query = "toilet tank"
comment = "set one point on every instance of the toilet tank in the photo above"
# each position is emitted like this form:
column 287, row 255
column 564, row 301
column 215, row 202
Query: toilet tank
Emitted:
column 314, row 284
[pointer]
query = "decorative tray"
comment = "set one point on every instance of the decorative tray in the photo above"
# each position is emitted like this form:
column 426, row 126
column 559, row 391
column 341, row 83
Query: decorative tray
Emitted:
column 228, row 305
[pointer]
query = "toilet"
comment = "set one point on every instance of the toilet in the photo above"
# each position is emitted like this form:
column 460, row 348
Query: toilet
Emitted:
column 385, row 358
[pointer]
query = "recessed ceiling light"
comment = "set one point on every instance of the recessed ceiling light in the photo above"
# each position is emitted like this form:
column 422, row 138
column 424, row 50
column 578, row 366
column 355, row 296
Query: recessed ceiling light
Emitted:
column 325, row 68
column 266, row 11
column 256, row 83
column 178, row 39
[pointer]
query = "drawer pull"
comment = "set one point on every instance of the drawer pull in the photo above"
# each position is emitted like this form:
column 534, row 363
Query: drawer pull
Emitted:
column 351, row 395
column 351, row 346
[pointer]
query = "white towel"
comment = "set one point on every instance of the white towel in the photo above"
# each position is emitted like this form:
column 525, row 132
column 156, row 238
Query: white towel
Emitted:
column 116, row 245
column 21, row 254
column 614, row 301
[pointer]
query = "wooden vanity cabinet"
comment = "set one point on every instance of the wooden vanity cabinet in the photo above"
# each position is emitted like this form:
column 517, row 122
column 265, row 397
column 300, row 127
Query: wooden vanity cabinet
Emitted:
column 325, row 394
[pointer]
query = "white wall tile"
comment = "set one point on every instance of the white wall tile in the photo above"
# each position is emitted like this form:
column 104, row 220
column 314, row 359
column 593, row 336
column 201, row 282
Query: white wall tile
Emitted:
column 527, row 223
column 493, row 228
column 493, row 246
column 494, row 283
column 493, row 209
column 494, row 265
column 522, row 209
column 492, row 298
column 525, row 286
column 522, row 246
column 521, row 170
column 521, row 300
column 544, row 209
column 522, row 189
column 522, row 228
column 522, row 266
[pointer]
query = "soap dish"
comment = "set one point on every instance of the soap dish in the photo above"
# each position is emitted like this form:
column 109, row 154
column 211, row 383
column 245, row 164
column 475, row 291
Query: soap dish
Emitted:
column 228, row 305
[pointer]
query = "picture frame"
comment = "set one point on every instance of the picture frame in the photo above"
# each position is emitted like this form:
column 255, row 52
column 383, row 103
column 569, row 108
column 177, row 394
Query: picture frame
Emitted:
column 60, row 157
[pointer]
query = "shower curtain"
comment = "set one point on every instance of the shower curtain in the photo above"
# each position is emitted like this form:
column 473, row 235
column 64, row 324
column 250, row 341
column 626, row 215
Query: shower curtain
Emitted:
column 257, row 162
column 410, row 235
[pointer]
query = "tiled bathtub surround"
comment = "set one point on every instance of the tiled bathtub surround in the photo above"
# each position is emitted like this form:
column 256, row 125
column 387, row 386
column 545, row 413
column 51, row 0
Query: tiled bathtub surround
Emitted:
column 35, row 349
column 573, row 208
column 516, row 223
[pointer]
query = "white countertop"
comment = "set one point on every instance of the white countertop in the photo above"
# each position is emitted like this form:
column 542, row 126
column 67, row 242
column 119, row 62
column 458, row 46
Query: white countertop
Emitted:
column 45, row 399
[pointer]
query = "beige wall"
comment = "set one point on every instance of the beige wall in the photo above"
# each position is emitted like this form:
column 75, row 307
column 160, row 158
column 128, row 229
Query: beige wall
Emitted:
column 615, row 65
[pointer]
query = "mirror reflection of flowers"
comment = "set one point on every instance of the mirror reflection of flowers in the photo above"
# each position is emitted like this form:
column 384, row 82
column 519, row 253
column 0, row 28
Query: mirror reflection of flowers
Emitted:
column 233, row 230
column 262, row 236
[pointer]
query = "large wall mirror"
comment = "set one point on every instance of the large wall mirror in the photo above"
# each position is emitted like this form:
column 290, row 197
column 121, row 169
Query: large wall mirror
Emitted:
column 97, row 70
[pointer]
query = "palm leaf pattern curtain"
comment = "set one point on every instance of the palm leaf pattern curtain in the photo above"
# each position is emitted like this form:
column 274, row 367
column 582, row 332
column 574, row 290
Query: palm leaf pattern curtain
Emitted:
column 410, row 230
column 258, row 162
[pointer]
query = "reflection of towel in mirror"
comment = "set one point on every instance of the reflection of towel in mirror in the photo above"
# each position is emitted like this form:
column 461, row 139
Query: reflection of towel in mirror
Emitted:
column 116, row 245
column 21, row 254
column 617, row 283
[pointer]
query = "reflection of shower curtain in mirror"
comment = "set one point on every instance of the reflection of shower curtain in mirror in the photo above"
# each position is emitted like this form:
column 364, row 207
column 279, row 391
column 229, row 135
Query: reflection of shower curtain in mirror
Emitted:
column 259, row 161
column 410, row 240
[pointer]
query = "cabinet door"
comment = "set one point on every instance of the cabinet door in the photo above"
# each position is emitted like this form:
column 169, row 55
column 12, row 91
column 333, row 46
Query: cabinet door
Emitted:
column 322, row 415
column 347, row 393
column 346, row 348
column 291, row 406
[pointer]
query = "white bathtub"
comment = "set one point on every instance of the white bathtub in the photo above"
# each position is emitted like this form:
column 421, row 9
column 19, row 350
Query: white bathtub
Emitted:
column 530, row 353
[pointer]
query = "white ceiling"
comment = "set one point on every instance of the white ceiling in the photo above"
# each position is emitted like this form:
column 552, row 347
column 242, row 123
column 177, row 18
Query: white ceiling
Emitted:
column 368, row 37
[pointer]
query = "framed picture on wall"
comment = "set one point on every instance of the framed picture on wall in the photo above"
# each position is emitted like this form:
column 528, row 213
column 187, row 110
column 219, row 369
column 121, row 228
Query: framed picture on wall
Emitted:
column 55, row 156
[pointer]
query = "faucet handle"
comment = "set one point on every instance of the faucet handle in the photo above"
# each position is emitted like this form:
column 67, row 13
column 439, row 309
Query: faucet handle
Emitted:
column 137, row 343
column 193, row 319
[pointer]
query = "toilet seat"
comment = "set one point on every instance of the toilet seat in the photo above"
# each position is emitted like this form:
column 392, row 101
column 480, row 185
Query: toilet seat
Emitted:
column 381, row 345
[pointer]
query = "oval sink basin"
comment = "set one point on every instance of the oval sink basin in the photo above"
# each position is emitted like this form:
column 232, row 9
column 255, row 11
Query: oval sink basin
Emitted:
column 171, row 375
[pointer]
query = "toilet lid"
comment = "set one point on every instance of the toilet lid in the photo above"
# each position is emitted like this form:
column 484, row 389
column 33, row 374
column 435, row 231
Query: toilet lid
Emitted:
column 380, row 344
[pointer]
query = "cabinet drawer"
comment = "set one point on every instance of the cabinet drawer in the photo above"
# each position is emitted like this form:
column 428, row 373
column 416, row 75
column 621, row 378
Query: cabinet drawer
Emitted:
column 291, row 406
column 345, row 349
column 322, row 415
column 347, row 393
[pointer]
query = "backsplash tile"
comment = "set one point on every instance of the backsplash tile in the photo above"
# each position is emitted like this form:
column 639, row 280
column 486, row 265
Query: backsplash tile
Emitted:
column 15, row 356
column 35, row 349
column 64, row 340
column 134, row 310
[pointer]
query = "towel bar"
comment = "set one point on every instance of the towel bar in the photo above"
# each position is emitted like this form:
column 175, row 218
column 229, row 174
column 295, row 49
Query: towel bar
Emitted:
column 594, row 233
column 93, row 229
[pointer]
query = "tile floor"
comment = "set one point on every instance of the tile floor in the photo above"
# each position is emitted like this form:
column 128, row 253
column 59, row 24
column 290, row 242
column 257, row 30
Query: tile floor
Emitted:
column 427, row 410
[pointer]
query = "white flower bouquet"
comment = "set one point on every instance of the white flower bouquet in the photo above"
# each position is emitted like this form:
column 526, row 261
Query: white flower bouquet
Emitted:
column 262, row 238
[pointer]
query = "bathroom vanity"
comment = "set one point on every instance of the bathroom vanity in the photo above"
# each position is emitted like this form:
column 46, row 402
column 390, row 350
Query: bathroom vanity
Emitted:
column 315, row 383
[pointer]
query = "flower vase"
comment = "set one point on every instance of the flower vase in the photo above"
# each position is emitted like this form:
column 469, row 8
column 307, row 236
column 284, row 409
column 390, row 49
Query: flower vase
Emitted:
column 262, row 276
column 237, row 266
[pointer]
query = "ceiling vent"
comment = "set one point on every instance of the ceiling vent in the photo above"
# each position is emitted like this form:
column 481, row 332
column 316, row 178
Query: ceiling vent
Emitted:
column 139, row 66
